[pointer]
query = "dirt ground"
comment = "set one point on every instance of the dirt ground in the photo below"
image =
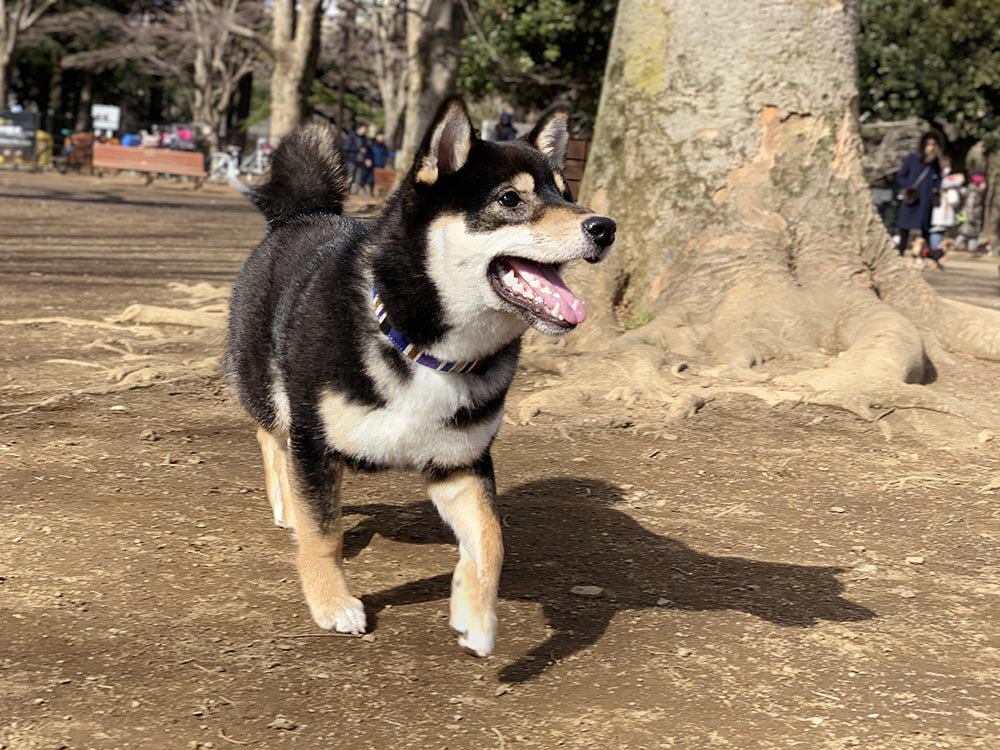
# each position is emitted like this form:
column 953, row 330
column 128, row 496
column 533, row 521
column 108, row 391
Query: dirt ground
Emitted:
column 781, row 577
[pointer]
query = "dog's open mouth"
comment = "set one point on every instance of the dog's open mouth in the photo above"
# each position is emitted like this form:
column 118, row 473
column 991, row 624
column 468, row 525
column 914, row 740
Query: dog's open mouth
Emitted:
column 538, row 290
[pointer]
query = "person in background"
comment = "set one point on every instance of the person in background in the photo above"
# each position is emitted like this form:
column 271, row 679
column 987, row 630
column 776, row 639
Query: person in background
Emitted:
column 379, row 151
column 185, row 140
column 944, row 215
column 972, row 214
column 379, row 155
column 504, row 131
column 918, row 182
column 356, row 151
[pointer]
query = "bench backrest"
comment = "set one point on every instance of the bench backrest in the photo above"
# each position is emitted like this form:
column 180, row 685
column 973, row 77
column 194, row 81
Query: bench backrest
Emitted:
column 576, row 161
column 151, row 160
column 385, row 178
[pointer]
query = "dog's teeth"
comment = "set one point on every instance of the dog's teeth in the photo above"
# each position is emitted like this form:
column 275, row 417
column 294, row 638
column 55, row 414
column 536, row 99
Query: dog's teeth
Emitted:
column 546, row 289
column 509, row 279
column 533, row 281
column 558, row 296
column 556, row 310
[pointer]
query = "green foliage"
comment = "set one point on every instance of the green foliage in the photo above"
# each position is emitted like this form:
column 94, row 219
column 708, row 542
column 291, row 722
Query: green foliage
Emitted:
column 934, row 59
column 536, row 51
column 328, row 98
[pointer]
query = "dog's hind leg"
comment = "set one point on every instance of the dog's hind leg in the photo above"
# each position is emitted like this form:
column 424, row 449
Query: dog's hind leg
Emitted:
column 272, row 450
column 314, row 501
column 466, row 501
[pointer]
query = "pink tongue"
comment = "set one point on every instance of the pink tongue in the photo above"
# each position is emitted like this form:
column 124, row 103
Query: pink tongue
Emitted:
column 573, row 309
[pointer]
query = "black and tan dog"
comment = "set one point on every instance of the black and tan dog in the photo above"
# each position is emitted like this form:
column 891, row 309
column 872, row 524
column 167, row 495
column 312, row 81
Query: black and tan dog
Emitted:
column 391, row 343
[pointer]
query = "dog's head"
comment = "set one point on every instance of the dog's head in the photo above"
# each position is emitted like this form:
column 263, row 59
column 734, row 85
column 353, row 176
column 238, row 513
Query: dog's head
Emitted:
column 501, row 222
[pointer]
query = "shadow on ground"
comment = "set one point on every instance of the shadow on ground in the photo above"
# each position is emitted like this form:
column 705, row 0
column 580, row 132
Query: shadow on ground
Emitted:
column 563, row 532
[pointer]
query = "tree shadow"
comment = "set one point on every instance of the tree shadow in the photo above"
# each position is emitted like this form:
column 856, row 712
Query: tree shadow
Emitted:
column 107, row 197
column 564, row 532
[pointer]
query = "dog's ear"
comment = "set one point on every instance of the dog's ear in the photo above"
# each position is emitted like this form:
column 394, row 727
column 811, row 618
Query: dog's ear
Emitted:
column 551, row 134
column 447, row 144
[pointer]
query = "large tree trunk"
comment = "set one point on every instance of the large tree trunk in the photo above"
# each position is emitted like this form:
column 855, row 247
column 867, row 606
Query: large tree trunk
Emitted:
column 16, row 17
column 83, row 102
column 991, row 216
column 433, row 40
column 292, row 44
column 8, row 37
column 727, row 149
column 389, row 58
column 53, row 103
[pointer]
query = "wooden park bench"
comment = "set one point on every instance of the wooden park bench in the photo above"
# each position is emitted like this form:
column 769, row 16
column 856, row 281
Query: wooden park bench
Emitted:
column 576, row 160
column 150, row 161
column 385, row 179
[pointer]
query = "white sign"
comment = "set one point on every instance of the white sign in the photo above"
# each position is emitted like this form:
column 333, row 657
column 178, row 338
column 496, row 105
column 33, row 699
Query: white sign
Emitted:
column 106, row 116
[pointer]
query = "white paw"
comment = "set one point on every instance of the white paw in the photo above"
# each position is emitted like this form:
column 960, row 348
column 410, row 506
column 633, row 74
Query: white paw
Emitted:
column 459, row 619
column 477, row 633
column 478, row 642
column 343, row 615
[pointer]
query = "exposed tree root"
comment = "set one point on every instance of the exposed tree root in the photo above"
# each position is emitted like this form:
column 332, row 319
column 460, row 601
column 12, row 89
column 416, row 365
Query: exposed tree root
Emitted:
column 900, row 482
column 142, row 377
column 991, row 486
column 170, row 316
column 877, row 369
column 958, row 326
column 76, row 363
column 81, row 322
column 61, row 398
column 201, row 292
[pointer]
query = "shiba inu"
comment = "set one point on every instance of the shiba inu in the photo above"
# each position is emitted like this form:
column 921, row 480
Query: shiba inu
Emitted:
column 391, row 343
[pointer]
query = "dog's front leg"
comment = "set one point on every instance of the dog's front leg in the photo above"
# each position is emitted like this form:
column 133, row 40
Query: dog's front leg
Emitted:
column 314, row 480
column 466, row 499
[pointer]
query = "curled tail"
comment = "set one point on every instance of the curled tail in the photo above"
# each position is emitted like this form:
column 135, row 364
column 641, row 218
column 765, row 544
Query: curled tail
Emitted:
column 308, row 176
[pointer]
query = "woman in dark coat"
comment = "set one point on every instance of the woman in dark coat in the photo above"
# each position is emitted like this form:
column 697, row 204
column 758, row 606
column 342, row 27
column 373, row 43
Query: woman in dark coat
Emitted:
column 918, row 181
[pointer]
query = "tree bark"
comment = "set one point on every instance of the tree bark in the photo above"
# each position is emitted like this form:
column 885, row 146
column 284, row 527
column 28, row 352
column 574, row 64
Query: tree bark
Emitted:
column 727, row 148
column 292, row 44
column 991, row 216
column 389, row 58
column 16, row 17
column 433, row 41
column 53, row 99
column 83, row 103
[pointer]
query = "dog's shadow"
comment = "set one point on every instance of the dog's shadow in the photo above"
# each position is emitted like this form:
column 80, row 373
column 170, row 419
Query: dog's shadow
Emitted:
column 564, row 532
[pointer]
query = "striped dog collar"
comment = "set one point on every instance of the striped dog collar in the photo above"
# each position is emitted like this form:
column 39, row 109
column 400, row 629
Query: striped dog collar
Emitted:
column 409, row 350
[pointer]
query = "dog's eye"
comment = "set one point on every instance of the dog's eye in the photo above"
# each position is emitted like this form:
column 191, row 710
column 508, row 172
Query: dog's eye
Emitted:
column 509, row 199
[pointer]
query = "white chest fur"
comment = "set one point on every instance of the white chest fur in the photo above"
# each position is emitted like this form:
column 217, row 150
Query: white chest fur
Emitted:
column 411, row 430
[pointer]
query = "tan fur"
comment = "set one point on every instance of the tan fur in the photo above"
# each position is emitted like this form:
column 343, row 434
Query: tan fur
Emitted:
column 560, row 224
column 427, row 174
column 320, row 561
column 275, row 477
column 560, row 182
column 523, row 183
column 466, row 505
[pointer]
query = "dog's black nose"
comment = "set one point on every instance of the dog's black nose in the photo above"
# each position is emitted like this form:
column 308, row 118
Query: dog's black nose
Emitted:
column 601, row 230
